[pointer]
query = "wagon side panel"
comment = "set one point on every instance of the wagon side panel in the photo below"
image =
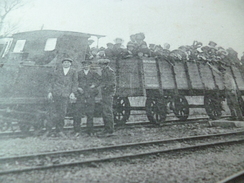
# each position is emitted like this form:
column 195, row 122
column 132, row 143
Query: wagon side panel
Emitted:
column 151, row 80
column 166, row 74
column 207, row 77
column 129, row 78
column 194, row 76
column 180, row 76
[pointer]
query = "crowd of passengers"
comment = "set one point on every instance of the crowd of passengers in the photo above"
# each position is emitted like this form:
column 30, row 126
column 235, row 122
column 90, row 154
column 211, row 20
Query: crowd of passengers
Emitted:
column 137, row 47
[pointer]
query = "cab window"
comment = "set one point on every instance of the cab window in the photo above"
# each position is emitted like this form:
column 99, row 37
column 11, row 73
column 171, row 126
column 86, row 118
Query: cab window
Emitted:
column 19, row 46
column 50, row 44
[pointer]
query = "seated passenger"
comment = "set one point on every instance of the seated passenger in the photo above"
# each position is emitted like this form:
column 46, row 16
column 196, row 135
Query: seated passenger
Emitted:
column 196, row 44
column 212, row 51
column 222, row 56
column 130, row 52
column 179, row 54
column 204, row 54
column 101, row 55
column 133, row 40
column 143, row 51
column 109, row 51
column 139, row 37
column 166, row 50
column 156, row 51
column 118, row 47
column 192, row 53
column 233, row 56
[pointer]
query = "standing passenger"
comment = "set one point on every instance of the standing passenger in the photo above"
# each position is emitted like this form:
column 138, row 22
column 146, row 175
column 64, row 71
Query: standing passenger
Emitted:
column 108, row 91
column 63, row 85
column 88, row 81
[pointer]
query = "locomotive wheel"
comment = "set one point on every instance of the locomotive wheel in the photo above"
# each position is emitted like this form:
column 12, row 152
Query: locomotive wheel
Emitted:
column 212, row 106
column 121, row 110
column 181, row 107
column 155, row 110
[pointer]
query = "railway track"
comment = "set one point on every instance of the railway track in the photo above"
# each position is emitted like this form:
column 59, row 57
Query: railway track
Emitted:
column 235, row 178
column 19, row 134
column 97, row 155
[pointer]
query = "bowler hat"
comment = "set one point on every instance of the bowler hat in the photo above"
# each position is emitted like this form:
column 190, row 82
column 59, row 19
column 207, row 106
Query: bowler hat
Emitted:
column 108, row 44
column 140, row 36
column 205, row 48
column 166, row 46
column 67, row 59
column 130, row 43
column 212, row 45
column 103, row 61
column 118, row 41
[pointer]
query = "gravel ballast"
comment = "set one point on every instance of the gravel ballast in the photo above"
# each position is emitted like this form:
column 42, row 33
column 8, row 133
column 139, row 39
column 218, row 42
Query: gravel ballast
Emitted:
column 204, row 166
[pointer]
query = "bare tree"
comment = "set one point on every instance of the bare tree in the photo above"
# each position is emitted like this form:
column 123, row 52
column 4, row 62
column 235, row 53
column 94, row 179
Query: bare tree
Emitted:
column 6, row 7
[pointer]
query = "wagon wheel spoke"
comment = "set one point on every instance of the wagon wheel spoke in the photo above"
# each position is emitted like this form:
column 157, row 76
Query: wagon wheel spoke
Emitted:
column 155, row 110
column 181, row 107
column 121, row 110
column 212, row 106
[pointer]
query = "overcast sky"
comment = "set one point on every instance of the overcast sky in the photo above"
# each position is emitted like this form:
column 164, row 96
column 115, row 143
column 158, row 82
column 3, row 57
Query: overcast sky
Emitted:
column 178, row 22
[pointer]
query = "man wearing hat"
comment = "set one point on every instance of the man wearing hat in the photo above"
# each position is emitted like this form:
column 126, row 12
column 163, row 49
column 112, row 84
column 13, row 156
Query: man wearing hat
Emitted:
column 233, row 56
column 130, row 51
column 118, row 48
column 109, row 50
column 107, row 84
column 88, row 81
column 63, row 85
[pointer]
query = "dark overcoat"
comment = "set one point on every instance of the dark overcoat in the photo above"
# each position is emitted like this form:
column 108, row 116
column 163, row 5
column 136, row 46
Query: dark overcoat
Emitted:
column 63, row 85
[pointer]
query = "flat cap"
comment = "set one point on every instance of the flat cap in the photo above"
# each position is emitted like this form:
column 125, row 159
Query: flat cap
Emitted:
column 67, row 59
column 103, row 61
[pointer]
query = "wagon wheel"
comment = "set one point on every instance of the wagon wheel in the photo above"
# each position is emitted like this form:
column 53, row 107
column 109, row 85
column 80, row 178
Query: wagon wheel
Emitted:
column 181, row 107
column 156, row 110
column 213, row 106
column 121, row 110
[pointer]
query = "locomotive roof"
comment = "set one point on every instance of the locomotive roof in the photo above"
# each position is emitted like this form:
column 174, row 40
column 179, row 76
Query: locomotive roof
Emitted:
column 56, row 33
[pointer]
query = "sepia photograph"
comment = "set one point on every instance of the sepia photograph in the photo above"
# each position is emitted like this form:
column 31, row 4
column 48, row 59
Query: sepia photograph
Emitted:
column 122, row 91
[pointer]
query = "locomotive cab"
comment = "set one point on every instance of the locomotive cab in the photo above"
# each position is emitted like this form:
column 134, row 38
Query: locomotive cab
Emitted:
column 25, row 74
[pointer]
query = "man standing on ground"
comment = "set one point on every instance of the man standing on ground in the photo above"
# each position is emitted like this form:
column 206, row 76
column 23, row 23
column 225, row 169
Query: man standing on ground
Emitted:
column 88, row 81
column 63, row 85
column 108, row 83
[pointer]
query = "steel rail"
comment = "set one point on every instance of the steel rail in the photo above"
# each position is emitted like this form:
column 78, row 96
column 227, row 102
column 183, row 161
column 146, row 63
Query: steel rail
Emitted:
column 109, row 148
column 123, row 157
column 235, row 178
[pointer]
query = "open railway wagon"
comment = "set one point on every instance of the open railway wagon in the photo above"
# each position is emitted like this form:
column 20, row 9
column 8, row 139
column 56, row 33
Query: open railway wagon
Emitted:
column 166, row 85
column 30, row 57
